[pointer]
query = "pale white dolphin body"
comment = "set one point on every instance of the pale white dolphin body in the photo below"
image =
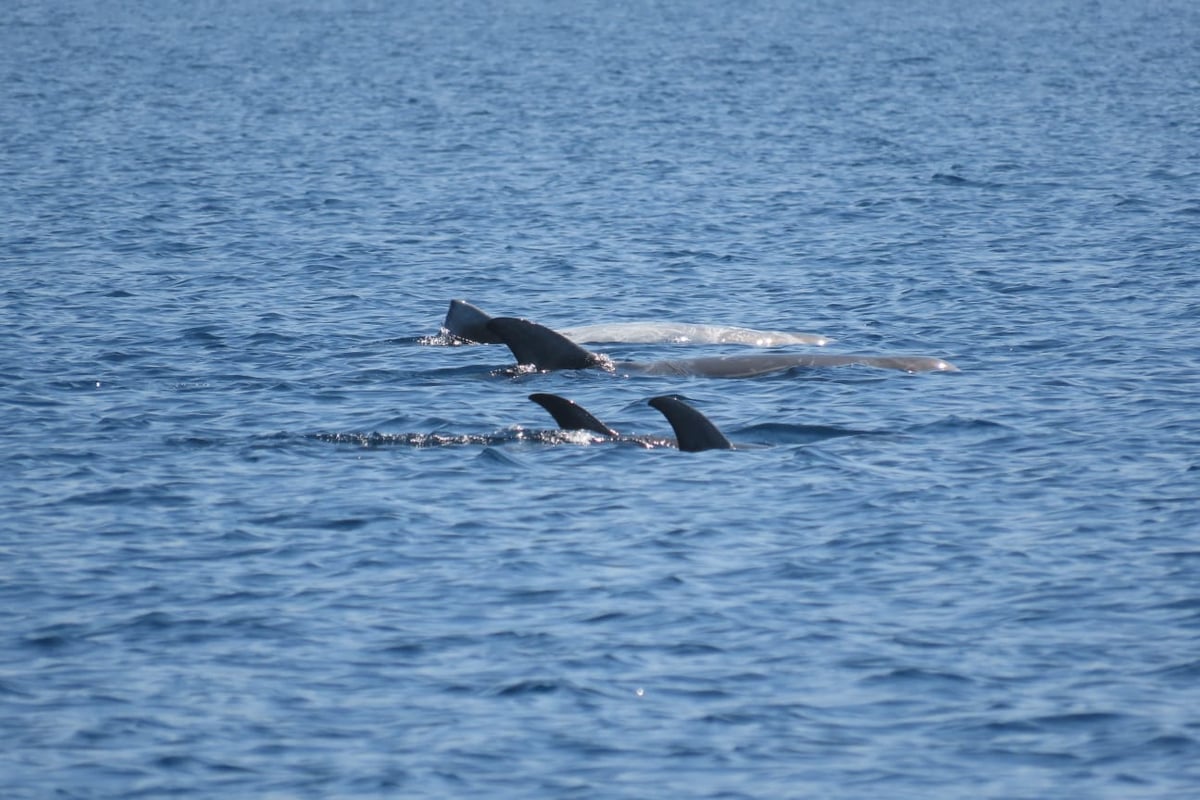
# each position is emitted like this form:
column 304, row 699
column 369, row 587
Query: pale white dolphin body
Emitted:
column 687, row 333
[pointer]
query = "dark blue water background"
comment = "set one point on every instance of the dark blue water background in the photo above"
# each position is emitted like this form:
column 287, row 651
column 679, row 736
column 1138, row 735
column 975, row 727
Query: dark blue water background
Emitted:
column 225, row 224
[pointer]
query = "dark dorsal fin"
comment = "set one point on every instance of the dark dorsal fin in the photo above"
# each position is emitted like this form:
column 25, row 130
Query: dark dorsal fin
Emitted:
column 538, row 345
column 694, row 431
column 571, row 417
column 468, row 322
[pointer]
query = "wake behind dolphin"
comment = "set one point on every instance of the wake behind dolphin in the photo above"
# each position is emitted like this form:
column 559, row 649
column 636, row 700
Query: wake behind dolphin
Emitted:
column 546, row 349
column 694, row 432
column 467, row 323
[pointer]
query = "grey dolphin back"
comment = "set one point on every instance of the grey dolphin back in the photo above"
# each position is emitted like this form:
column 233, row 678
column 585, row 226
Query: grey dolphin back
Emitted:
column 749, row 366
column 693, row 430
column 570, row 416
column 536, row 344
column 469, row 322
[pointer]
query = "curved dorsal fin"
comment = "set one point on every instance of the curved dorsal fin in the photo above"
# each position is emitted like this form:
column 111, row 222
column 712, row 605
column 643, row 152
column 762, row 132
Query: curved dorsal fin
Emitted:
column 469, row 322
column 538, row 345
column 570, row 416
column 694, row 431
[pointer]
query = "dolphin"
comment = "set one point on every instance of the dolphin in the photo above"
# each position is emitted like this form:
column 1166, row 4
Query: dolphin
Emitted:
column 546, row 349
column 694, row 432
column 571, row 416
column 467, row 323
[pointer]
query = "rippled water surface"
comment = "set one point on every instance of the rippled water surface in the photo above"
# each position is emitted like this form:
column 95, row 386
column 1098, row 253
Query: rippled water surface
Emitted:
column 227, row 228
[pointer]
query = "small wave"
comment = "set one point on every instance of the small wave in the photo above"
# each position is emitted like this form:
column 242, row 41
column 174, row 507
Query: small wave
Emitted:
column 56, row 637
column 784, row 433
column 1085, row 719
column 954, row 424
column 34, row 401
column 205, row 335
column 270, row 337
column 1186, row 669
column 494, row 456
column 530, row 686
column 1175, row 744
column 376, row 439
column 192, row 441
column 953, row 179
column 915, row 675
column 7, row 689
column 694, row 649
column 498, row 438
column 162, row 495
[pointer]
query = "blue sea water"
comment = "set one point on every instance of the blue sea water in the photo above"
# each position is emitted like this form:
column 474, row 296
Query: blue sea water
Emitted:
column 226, row 226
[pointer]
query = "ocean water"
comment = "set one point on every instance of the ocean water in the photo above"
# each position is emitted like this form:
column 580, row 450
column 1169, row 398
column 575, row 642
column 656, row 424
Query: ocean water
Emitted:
column 226, row 228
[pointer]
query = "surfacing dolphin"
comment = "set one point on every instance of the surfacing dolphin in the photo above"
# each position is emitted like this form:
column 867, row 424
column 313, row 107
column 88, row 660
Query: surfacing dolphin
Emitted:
column 466, row 322
column 694, row 432
column 546, row 349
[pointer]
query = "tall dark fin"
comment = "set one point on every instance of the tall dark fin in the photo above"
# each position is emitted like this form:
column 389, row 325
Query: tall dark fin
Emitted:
column 468, row 322
column 694, row 431
column 571, row 417
column 538, row 345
